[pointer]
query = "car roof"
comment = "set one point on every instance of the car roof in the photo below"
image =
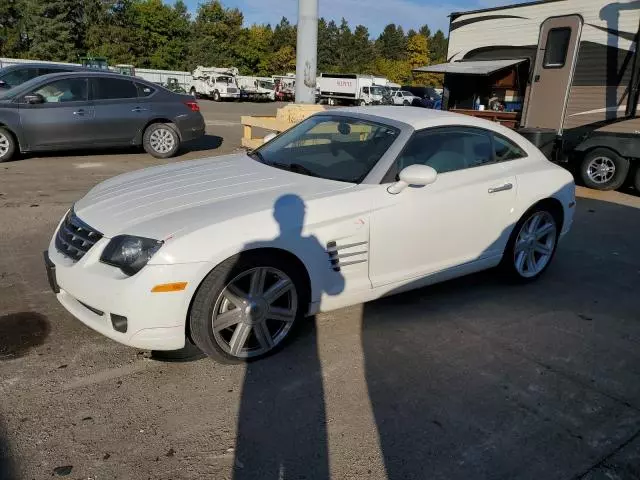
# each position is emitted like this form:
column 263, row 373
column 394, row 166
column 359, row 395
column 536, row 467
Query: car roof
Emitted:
column 16, row 66
column 419, row 118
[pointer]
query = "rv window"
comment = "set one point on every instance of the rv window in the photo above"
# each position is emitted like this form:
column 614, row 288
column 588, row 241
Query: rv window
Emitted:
column 557, row 46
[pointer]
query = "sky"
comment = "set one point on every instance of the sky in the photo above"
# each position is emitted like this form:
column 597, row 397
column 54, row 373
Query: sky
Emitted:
column 374, row 14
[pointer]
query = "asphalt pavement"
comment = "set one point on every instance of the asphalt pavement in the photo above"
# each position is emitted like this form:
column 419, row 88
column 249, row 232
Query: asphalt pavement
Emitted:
column 471, row 379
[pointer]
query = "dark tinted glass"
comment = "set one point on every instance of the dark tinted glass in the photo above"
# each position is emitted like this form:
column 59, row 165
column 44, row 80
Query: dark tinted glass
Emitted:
column 64, row 90
column 557, row 46
column 113, row 88
column 46, row 71
column 506, row 149
column 18, row 76
column 448, row 149
column 144, row 90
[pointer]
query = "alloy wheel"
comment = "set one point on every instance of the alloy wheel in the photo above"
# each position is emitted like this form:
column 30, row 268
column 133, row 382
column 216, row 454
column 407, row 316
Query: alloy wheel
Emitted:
column 601, row 170
column 535, row 244
column 161, row 140
column 4, row 145
column 254, row 312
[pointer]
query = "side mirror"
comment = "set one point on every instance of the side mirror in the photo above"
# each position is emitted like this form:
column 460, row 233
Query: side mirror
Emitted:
column 34, row 98
column 269, row 137
column 3, row 84
column 420, row 175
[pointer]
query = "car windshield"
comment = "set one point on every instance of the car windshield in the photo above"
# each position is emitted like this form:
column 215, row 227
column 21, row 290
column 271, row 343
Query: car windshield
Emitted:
column 377, row 90
column 332, row 147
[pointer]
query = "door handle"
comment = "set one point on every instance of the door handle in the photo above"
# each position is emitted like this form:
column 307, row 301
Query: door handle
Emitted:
column 80, row 112
column 501, row 188
column 138, row 109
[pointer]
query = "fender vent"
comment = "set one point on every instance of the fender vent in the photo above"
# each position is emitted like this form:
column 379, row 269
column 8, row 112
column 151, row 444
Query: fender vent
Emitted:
column 341, row 256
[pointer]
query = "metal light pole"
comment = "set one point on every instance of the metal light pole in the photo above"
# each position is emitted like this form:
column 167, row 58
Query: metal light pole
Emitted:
column 307, row 51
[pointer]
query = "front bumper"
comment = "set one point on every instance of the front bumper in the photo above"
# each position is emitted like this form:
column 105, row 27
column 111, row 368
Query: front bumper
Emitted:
column 92, row 292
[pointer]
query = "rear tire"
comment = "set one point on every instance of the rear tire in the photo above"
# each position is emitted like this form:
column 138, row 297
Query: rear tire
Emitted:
column 193, row 93
column 230, row 315
column 161, row 140
column 7, row 145
column 532, row 245
column 604, row 169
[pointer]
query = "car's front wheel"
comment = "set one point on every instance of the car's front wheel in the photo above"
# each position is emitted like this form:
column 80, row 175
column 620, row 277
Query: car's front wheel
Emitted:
column 7, row 145
column 532, row 245
column 247, row 307
column 161, row 140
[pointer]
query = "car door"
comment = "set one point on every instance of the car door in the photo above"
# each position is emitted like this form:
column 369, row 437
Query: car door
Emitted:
column 397, row 99
column 62, row 116
column 464, row 216
column 119, row 115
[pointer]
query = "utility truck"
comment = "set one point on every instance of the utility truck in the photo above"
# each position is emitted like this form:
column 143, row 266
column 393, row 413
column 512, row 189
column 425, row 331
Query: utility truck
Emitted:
column 350, row 89
column 256, row 87
column 215, row 83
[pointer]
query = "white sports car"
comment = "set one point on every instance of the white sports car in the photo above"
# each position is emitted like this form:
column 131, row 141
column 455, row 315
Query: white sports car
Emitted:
column 347, row 206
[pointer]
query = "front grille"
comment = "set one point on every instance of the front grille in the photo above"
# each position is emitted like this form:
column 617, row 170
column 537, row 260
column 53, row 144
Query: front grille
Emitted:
column 75, row 238
column 232, row 90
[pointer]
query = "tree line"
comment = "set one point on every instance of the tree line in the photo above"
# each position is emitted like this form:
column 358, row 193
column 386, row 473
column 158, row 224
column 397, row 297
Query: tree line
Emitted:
column 152, row 34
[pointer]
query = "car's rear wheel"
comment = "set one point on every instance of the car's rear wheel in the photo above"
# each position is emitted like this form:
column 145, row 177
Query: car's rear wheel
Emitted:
column 604, row 169
column 7, row 145
column 161, row 140
column 532, row 245
column 247, row 307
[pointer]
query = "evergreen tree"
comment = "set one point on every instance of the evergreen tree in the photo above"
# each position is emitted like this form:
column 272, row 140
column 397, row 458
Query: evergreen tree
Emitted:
column 392, row 43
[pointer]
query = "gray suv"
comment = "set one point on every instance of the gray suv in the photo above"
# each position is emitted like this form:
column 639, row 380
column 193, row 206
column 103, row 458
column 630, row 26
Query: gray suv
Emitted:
column 70, row 110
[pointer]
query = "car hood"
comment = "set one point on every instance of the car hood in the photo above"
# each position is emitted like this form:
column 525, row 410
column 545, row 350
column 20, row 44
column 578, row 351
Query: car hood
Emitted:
column 163, row 201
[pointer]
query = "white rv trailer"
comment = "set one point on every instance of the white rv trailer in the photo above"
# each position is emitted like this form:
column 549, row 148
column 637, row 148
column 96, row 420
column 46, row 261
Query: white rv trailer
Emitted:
column 215, row 83
column 564, row 72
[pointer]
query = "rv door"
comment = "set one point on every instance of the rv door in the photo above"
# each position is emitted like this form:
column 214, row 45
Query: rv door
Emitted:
column 553, row 72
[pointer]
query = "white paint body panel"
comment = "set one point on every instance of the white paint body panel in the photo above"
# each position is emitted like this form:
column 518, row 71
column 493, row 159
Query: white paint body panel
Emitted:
column 209, row 210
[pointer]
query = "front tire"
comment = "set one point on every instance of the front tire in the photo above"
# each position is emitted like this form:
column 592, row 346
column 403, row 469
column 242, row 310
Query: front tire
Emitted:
column 363, row 103
column 216, row 96
column 405, row 103
column 247, row 307
column 7, row 145
column 532, row 245
column 161, row 140
column 603, row 169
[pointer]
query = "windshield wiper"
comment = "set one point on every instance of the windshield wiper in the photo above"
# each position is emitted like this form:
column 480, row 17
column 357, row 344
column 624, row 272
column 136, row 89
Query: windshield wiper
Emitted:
column 296, row 168
column 257, row 155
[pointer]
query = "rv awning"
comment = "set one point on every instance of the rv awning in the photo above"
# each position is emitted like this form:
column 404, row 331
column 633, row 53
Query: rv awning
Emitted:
column 480, row 67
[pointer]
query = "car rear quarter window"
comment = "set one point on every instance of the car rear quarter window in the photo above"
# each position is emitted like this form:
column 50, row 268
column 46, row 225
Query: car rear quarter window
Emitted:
column 506, row 150
column 144, row 90
column 104, row 88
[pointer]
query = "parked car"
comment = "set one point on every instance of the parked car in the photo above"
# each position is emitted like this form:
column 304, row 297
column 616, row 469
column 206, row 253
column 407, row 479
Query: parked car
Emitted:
column 402, row 97
column 14, row 75
column 92, row 109
column 347, row 206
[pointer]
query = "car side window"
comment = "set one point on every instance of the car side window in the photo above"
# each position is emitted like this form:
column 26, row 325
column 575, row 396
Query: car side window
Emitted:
column 19, row 75
column 63, row 90
column 112, row 88
column 447, row 149
column 144, row 90
column 506, row 150
column 46, row 71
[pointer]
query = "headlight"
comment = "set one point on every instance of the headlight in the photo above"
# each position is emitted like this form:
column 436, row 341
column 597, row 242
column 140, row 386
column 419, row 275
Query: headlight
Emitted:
column 130, row 254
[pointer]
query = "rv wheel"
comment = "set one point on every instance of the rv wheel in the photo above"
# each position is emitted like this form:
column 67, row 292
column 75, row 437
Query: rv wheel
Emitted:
column 603, row 169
